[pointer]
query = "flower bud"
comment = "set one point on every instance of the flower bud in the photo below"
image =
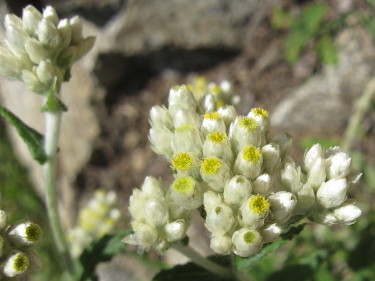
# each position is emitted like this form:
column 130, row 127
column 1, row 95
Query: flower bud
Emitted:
column 332, row 193
column 30, row 19
column 183, row 117
column 48, row 33
column 187, row 138
column 228, row 114
column 35, row 50
column 50, row 14
column 324, row 217
column 347, row 213
column 65, row 33
column 175, row 230
column 285, row 142
column 271, row 157
column 236, row 189
column 260, row 115
column 47, row 73
column 186, row 192
column 161, row 141
column 212, row 122
column 220, row 219
column 76, row 27
column 211, row 200
column 15, row 265
column 311, row 155
column 305, row 199
column 25, row 233
column 217, row 144
column 282, row 205
column 290, row 178
column 155, row 212
column 262, row 184
column 221, row 244
column 316, row 175
column 254, row 211
column 152, row 188
column 181, row 98
column 338, row 165
column 144, row 235
column 67, row 57
column 244, row 131
column 15, row 36
column 271, row 232
column 247, row 242
column 10, row 65
column 208, row 103
column 249, row 162
column 214, row 172
column 160, row 118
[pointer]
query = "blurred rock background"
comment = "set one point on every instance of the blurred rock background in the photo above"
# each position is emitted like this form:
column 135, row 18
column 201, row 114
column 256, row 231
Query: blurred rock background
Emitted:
column 144, row 47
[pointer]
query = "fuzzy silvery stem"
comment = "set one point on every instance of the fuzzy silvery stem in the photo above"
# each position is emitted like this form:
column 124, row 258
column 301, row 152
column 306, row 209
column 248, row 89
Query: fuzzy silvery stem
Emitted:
column 202, row 261
column 52, row 130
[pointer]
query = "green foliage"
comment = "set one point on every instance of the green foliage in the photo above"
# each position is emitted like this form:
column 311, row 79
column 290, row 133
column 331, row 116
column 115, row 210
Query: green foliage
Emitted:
column 32, row 138
column 325, row 142
column 303, row 29
column 191, row 271
column 101, row 250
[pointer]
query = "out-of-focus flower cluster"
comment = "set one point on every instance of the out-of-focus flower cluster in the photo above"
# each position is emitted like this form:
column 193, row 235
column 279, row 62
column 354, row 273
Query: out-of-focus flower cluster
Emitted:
column 15, row 246
column 250, row 187
column 39, row 48
column 96, row 219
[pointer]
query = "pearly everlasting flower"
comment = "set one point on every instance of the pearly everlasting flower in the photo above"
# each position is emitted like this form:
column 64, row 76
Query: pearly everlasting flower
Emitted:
column 217, row 144
column 236, row 189
column 332, row 193
column 262, row 184
column 15, row 247
column 39, row 49
column 244, row 131
column 282, row 205
column 212, row 122
column 98, row 217
column 187, row 192
column 247, row 242
column 221, row 244
column 255, row 210
column 214, row 172
column 249, row 162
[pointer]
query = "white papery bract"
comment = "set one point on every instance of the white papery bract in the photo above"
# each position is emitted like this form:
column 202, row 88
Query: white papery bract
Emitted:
column 39, row 49
column 250, row 187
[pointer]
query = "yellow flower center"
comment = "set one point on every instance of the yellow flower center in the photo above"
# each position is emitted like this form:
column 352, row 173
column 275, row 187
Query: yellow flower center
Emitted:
column 182, row 161
column 248, row 123
column 249, row 237
column 20, row 263
column 217, row 137
column 251, row 153
column 210, row 165
column 33, row 232
column 183, row 185
column 219, row 103
column 212, row 115
column 258, row 204
column 260, row 111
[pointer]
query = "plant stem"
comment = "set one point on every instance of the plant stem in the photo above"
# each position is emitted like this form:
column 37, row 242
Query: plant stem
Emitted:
column 52, row 130
column 202, row 261
column 361, row 107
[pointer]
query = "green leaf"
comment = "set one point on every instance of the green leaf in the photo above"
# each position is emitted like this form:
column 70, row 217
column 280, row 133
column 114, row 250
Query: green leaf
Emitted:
column 53, row 103
column 247, row 263
column 294, row 43
column 101, row 250
column 312, row 16
column 191, row 271
column 32, row 138
column 281, row 19
column 326, row 50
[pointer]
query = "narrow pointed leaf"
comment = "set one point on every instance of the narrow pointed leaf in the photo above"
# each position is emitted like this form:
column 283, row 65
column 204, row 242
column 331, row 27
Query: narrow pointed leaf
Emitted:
column 32, row 138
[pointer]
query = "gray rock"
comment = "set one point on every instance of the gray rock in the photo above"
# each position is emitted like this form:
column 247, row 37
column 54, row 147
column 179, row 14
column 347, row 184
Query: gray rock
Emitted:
column 152, row 25
column 323, row 104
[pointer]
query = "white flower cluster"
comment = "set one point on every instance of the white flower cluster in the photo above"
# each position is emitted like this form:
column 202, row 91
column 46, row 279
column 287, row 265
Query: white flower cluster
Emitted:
column 157, row 220
column 39, row 49
column 322, row 184
column 247, row 182
column 15, row 243
column 98, row 218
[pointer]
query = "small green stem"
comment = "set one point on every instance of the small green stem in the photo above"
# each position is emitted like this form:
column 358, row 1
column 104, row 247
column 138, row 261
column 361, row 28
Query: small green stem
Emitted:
column 361, row 107
column 202, row 261
column 52, row 129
